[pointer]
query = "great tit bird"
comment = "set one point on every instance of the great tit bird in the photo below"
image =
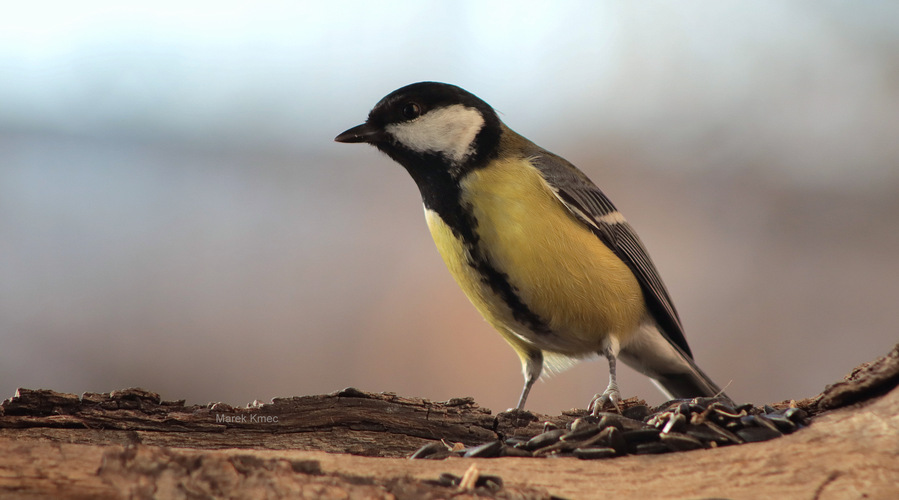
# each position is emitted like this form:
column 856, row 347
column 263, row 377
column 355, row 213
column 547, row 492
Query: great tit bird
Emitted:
column 539, row 250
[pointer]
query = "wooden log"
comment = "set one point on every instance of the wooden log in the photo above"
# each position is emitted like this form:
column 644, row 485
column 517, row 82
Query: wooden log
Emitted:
column 133, row 444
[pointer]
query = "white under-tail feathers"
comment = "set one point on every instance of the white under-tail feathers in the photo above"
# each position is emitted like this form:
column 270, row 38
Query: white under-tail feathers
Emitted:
column 554, row 363
column 657, row 354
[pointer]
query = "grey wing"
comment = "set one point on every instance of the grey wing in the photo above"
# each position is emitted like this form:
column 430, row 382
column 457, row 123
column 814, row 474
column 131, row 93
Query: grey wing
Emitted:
column 588, row 203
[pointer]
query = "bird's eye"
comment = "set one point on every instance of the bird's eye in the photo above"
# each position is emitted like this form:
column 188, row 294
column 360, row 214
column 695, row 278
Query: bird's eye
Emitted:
column 411, row 110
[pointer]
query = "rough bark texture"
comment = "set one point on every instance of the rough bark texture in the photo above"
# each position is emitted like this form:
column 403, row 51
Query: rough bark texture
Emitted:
column 130, row 444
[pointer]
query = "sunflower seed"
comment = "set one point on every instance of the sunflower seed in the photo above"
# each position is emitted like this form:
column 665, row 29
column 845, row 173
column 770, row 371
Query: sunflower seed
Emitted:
column 433, row 451
column 489, row 449
column 675, row 441
column 756, row 434
column 544, row 439
column 594, row 453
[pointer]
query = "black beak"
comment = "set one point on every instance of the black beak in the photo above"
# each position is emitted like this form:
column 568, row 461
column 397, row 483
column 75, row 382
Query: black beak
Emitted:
column 362, row 133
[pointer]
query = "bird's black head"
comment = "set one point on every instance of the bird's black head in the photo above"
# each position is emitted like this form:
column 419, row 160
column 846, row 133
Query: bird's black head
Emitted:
column 429, row 125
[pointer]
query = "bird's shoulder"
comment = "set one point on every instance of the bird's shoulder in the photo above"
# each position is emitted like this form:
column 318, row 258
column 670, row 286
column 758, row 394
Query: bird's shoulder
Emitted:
column 567, row 182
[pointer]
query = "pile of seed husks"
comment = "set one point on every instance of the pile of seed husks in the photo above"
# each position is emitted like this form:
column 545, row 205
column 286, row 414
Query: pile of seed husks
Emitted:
column 678, row 426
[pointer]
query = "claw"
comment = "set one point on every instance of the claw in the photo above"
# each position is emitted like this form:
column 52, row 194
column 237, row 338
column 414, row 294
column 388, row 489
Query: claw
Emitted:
column 611, row 394
column 599, row 401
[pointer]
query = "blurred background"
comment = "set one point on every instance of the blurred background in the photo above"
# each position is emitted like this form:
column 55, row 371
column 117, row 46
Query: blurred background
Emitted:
column 175, row 215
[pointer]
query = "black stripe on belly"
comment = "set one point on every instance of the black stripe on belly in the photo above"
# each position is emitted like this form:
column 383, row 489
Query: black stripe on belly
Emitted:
column 499, row 283
column 440, row 192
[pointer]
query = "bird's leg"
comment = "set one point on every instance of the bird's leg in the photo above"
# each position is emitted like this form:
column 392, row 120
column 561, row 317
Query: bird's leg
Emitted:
column 611, row 394
column 532, row 367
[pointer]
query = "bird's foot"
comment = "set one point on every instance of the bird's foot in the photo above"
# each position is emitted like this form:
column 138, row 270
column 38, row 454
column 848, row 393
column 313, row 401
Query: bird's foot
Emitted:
column 519, row 412
column 600, row 401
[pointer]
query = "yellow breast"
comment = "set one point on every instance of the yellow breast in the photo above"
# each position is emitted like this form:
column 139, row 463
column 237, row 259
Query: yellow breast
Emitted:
column 556, row 265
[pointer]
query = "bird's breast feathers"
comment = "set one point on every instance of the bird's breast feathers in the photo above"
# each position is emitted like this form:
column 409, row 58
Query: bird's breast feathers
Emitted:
column 553, row 262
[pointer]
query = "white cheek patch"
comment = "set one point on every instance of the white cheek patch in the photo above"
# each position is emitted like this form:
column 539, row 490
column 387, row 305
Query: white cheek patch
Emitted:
column 449, row 131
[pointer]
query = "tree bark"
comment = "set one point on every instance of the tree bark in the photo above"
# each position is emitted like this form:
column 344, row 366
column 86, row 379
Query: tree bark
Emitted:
column 351, row 444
